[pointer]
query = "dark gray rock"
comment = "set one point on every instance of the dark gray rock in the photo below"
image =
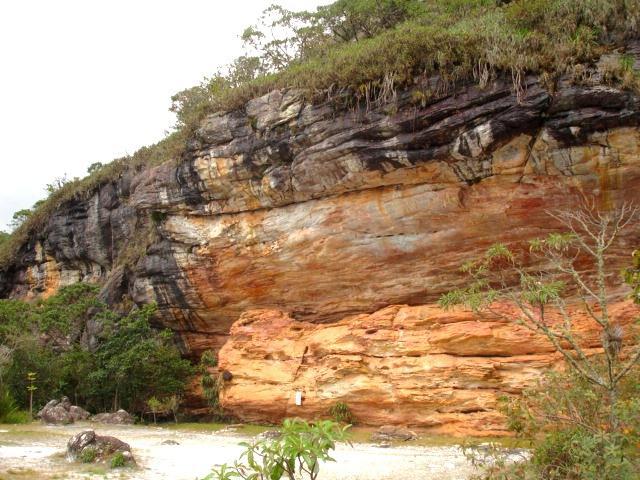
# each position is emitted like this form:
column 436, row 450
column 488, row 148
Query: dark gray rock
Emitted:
column 56, row 415
column 121, row 417
column 62, row 412
column 78, row 413
column 50, row 404
column 103, row 447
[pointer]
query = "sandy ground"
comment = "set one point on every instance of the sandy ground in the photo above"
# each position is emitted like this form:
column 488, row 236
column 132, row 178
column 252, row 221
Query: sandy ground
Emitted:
column 37, row 452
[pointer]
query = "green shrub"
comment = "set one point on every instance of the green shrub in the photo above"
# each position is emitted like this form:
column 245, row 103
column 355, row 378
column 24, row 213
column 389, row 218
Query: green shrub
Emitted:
column 583, row 422
column 88, row 455
column 130, row 363
column 118, row 460
column 297, row 453
column 9, row 411
column 341, row 413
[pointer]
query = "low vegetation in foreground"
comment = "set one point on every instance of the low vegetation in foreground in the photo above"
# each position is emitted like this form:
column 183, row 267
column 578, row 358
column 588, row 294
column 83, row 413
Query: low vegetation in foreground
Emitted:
column 583, row 419
column 296, row 452
column 359, row 52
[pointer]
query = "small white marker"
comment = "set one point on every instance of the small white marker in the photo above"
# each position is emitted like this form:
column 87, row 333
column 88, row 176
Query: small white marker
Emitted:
column 298, row 398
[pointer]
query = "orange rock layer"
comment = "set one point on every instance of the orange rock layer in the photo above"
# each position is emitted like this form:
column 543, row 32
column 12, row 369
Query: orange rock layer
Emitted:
column 417, row 366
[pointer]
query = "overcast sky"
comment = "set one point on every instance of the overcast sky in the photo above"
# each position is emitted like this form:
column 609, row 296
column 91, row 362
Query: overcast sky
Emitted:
column 89, row 81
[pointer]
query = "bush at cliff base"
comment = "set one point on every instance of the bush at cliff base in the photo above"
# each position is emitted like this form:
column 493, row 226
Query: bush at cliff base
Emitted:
column 130, row 361
column 569, row 430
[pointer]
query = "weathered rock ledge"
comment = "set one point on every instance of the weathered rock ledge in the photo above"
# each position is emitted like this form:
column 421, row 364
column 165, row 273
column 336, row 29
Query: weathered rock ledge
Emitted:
column 417, row 366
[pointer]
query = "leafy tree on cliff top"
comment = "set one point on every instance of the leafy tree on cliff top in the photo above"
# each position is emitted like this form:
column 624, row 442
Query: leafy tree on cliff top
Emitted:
column 588, row 414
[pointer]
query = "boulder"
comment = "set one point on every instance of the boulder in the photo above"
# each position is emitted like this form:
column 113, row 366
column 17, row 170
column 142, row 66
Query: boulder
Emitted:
column 389, row 433
column 66, row 403
column 62, row 412
column 121, row 417
column 102, row 448
column 50, row 404
column 56, row 415
column 78, row 413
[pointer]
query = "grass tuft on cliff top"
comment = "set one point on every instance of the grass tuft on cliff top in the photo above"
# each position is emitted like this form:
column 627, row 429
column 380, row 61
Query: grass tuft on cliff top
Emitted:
column 359, row 51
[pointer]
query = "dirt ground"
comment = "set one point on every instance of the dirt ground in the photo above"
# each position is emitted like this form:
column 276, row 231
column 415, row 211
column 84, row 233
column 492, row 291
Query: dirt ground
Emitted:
column 37, row 452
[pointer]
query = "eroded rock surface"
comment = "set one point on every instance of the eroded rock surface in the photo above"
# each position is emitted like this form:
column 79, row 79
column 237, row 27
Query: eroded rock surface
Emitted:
column 403, row 365
column 328, row 214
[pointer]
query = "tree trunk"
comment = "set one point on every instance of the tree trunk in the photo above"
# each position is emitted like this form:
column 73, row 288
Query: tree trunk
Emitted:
column 613, row 417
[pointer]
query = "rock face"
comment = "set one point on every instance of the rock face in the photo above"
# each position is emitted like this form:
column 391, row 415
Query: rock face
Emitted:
column 328, row 215
column 404, row 365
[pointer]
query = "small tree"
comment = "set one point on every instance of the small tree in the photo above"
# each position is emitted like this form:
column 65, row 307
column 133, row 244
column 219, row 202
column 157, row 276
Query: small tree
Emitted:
column 31, row 388
column 20, row 217
column 172, row 404
column 539, row 294
column 155, row 407
column 94, row 167
column 210, row 382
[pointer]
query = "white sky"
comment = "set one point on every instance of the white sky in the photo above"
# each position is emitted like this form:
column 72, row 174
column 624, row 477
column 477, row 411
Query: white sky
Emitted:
column 86, row 81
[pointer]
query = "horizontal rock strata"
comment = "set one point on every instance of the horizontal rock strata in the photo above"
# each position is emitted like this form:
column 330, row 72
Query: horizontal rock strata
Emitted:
column 417, row 366
column 327, row 214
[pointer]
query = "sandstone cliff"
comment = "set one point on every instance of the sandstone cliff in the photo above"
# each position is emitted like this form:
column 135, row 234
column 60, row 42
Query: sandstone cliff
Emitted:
column 333, row 232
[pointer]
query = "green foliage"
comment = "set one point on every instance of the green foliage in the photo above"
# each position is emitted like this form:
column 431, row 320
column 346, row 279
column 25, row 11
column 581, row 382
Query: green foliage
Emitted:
column 30, row 356
column 155, row 406
column 9, row 410
column 131, row 362
column 158, row 217
column 297, row 453
column 20, row 217
column 341, row 413
column 172, row 404
column 4, row 238
column 135, row 362
column 118, row 460
column 88, row 455
column 584, row 422
column 210, row 382
column 566, row 420
column 94, row 167
column 68, row 309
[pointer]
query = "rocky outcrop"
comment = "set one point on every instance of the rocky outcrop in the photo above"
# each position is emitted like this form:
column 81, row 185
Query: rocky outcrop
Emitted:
column 329, row 214
column 88, row 447
column 443, row 371
column 62, row 412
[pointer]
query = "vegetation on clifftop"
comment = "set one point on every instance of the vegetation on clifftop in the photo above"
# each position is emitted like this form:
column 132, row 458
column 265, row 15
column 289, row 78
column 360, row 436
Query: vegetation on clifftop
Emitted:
column 360, row 51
